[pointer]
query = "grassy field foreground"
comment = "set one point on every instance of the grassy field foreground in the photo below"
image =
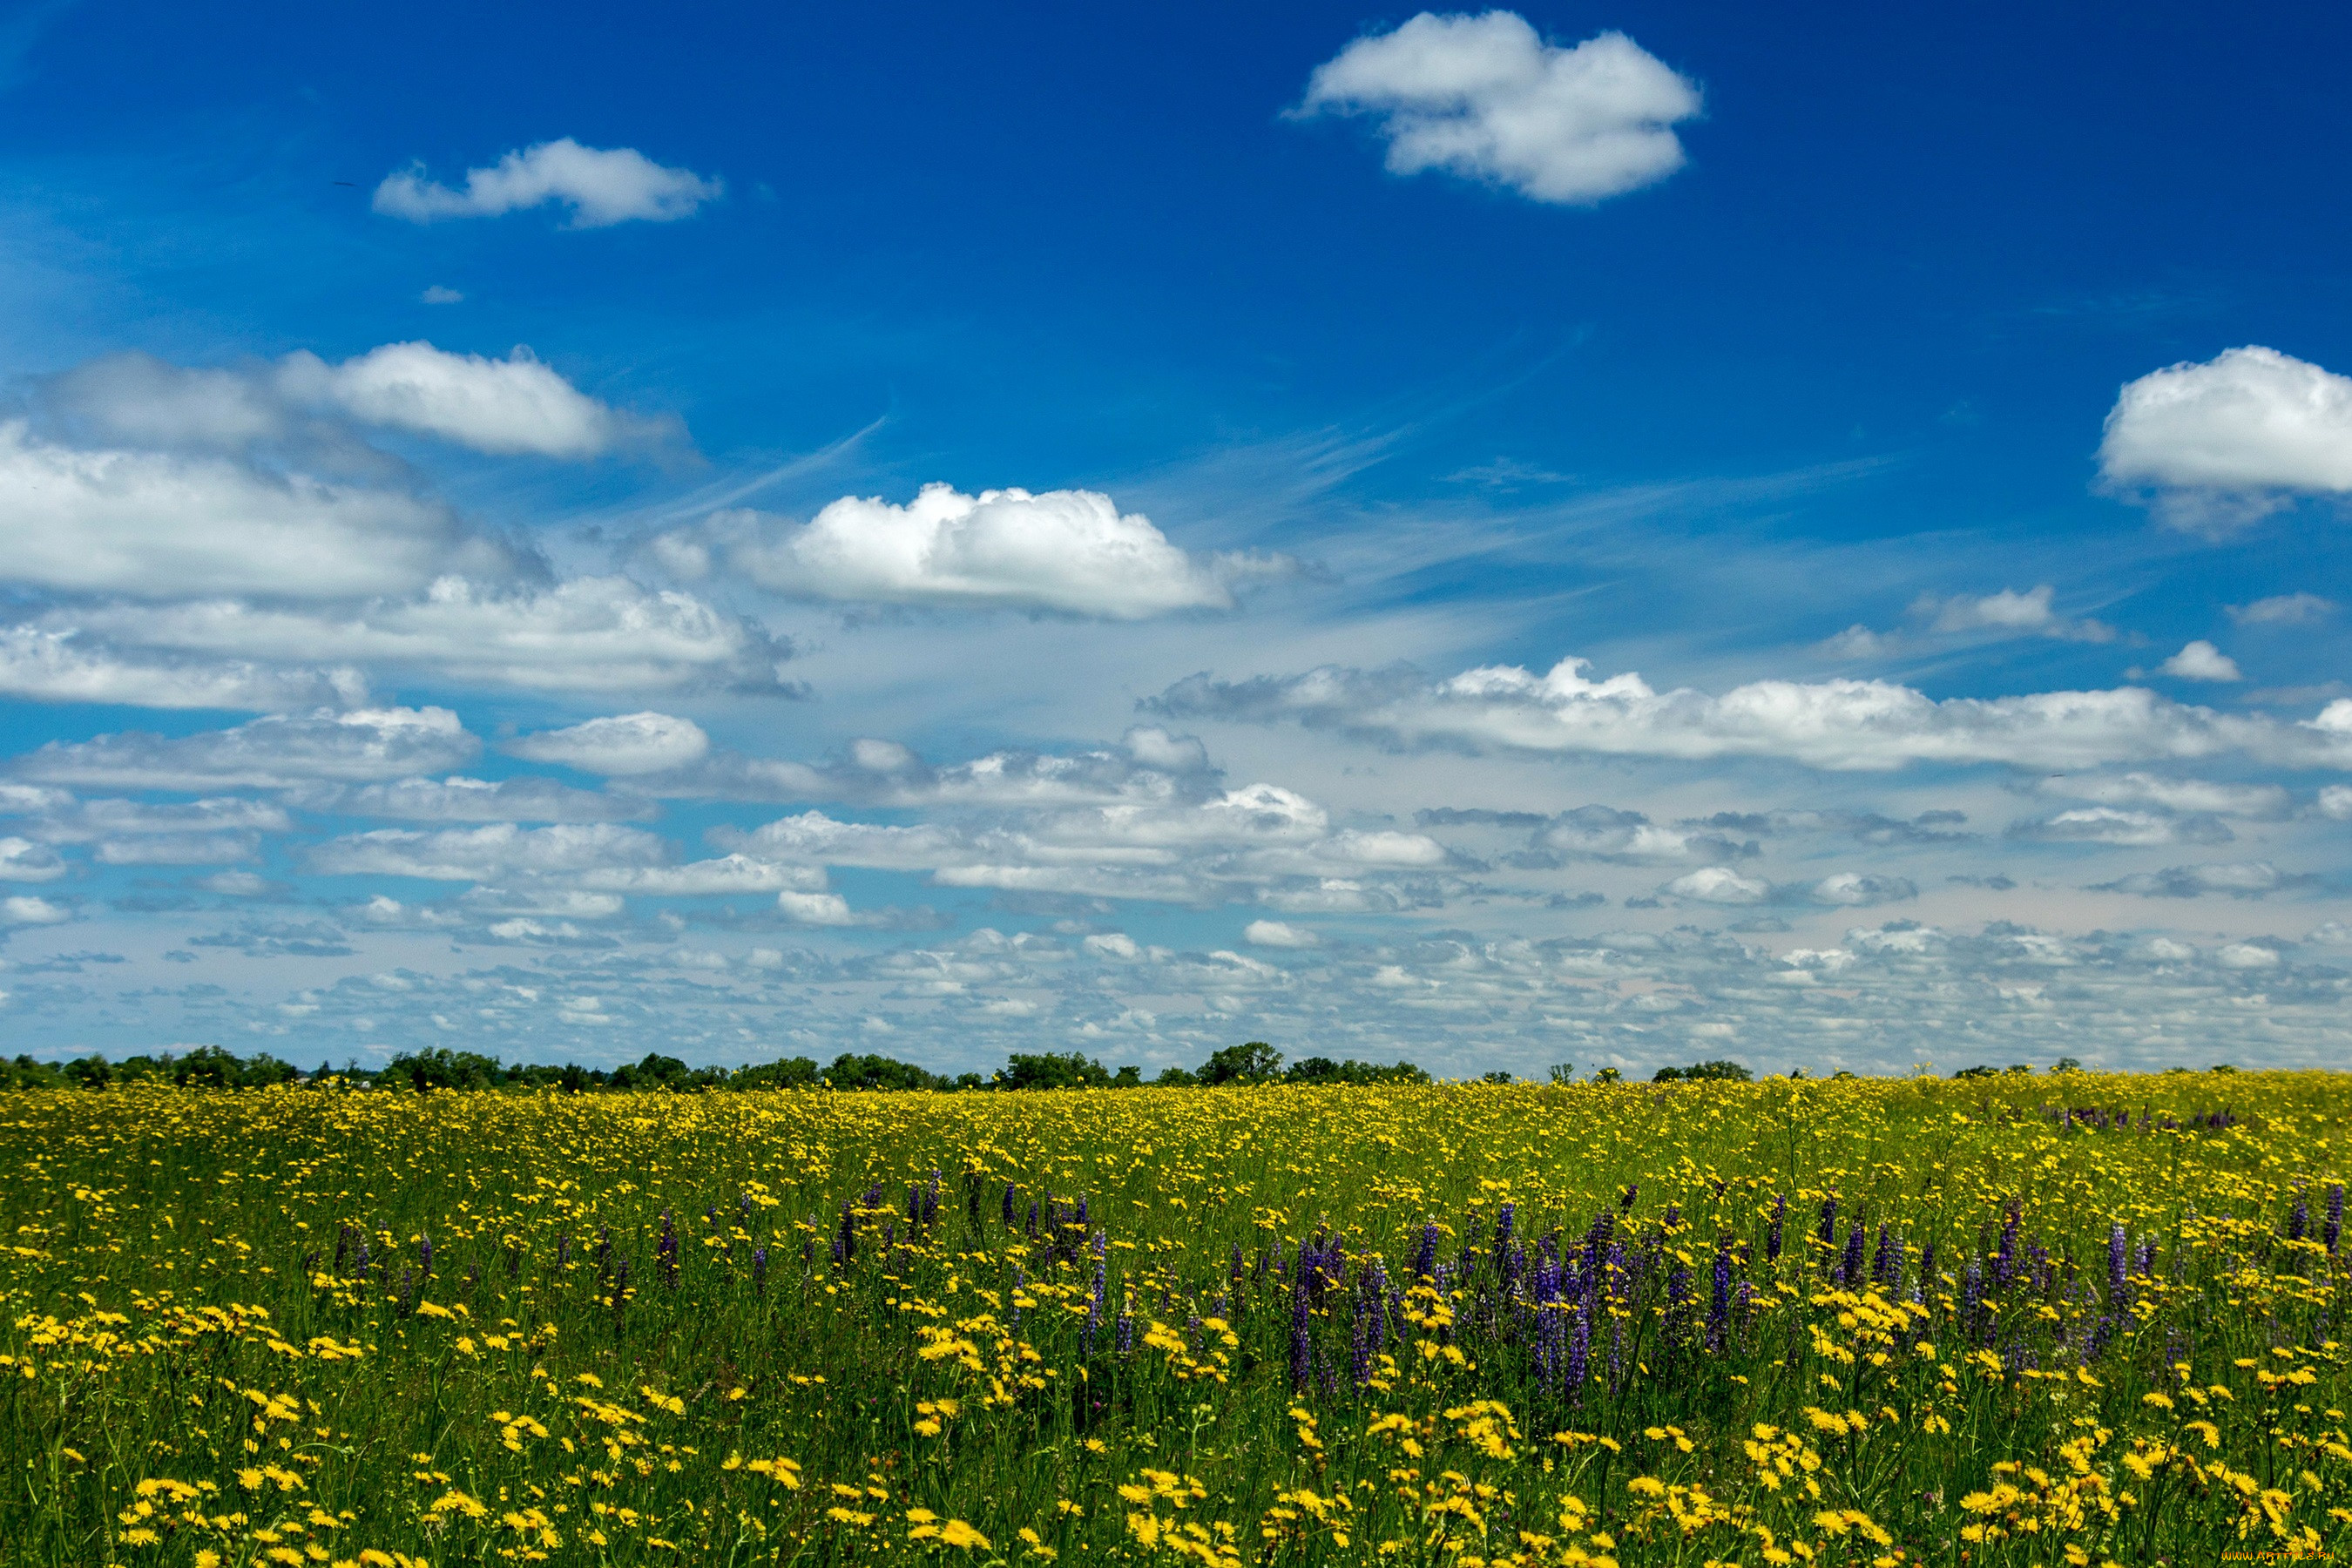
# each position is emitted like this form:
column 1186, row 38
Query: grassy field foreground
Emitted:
column 2023, row 1320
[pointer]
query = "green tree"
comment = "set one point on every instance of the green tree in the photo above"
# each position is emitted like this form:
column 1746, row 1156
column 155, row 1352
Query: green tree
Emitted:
column 1254, row 1061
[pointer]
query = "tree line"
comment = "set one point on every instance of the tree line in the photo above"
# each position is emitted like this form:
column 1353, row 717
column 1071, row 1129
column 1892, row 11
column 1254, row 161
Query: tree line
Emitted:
column 1253, row 1062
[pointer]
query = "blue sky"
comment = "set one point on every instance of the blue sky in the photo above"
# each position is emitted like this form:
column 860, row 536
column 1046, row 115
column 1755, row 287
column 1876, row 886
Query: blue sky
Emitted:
column 948, row 531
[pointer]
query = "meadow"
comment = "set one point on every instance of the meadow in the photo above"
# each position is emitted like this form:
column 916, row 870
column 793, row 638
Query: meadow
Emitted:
column 2010, row 1319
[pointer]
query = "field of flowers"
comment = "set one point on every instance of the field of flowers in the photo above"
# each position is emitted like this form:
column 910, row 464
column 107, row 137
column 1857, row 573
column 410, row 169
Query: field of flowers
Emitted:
column 2027, row 1319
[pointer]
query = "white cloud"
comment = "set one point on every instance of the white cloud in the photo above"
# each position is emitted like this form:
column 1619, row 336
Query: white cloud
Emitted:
column 601, row 187
column 22, row 860
column 52, row 665
column 2246, row 956
column 583, row 633
column 178, row 849
column 81, row 822
column 277, row 751
column 23, row 909
column 154, row 525
column 460, row 799
column 2283, row 610
column 439, row 294
column 1856, row 889
column 516, row 406
column 1258, row 840
column 511, row 406
column 2172, row 795
column 2011, row 613
column 2336, row 802
column 1833, row 724
column 2110, row 824
column 2238, row 879
column 698, row 879
column 497, row 850
column 1487, row 99
column 816, row 908
column 2200, row 660
column 1067, row 550
column 623, row 746
column 1718, row 885
column 1276, row 933
column 2222, row 442
column 1116, row 945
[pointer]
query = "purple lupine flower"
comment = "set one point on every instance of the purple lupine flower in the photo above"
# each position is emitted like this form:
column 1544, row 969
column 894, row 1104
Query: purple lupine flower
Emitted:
column 1126, row 1328
column 1093, row 1302
column 1827, row 1235
column 1625, row 1200
column 1926, row 1272
column 2118, row 1261
column 1678, row 1302
column 1772, row 1237
column 1850, row 1267
column 844, row 1243
column 1502, row 1223
column 2146, row 1265
column 425, row 1255
column 2298, row 1219
column 2004, row 1263
column 1580, row 1352
column 1616, row 1356
column 2334, row 1232
column 1425, row 1262
column 1031, row 1230
column 563, row 1250
column 404, row 1303
column 1880, row 1258
column 1302, row 1349
column 1020, row 1283
column 1718, row 1306
column 759, row 1269
column 666, row 1253
column 1360, row 1356
column 1008, row 1206
column 1674, row 1216
column 1971, row 1299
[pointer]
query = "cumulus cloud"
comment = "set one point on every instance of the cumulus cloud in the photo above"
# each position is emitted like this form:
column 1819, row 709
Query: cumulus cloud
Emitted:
column 277, row 751
column 1260, row 840
column 1147, row 766
column 1071, row 551
column 2111, row 825
column 22, row 860
column 23, row 909
column 498, row 849
column 2219, row 443
column 1595, row 832
column 460, row 799
column 507, row 407
column 1834, row 724
column 2283, row 610
column 600, row 185
column 622, row 746
column 512, row 407
column 1276, row 933
column 1718, row 885
column 2171, row 794
column 178, row 849
column 2239, row 879
column 2200, row 660
column 2005, row 614
column 1486, row 98
column 582, row 633
column 2010, row 612
column 1856, row 889
column 64, row 666
column 157, row 525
